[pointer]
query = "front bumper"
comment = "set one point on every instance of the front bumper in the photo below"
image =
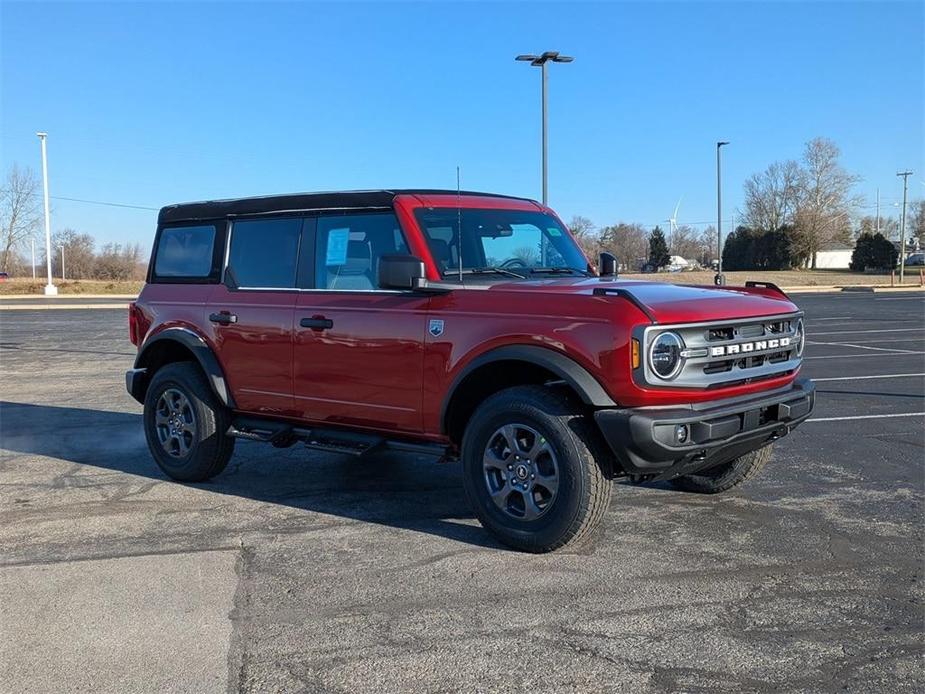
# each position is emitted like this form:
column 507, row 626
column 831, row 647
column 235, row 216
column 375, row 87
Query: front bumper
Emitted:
column 645, row 441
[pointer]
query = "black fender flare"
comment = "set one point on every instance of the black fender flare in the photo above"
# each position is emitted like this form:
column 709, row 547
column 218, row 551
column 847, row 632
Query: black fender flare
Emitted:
column 200, row 350
column 574, row 374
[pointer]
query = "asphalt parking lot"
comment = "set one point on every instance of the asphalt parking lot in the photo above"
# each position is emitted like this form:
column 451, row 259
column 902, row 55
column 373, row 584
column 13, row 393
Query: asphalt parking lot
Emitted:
column 301, row 571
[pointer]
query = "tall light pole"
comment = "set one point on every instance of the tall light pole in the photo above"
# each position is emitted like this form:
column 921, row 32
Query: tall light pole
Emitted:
column 540, row 62
column 902, row 227
column 50, row 288
column 32, row 239
column 61, row 248
column 719, row 279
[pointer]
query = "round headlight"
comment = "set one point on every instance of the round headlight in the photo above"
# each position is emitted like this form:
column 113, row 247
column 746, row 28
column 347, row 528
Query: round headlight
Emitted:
column 799, row 336
column 665, row 355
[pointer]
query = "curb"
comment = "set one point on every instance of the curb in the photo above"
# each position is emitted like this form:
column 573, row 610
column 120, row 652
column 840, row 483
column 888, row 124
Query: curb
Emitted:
column 60, row 307
column 114, row 297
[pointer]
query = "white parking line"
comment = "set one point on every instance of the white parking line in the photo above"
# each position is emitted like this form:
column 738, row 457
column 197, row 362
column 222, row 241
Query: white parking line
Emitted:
column 857, row 332
column 875, row 349
column 851, row 356
column 864, row 378
column 888, row 341
column 814, row 320
column 866, row 416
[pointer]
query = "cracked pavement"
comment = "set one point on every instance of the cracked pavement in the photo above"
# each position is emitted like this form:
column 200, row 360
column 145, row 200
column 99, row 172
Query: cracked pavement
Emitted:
column 300, row 571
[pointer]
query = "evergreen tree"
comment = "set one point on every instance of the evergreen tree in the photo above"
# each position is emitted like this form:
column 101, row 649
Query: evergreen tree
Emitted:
column 658, row 249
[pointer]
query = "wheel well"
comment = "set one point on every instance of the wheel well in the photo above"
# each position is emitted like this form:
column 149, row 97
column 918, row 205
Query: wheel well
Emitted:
column 487, row 380
column 161, row 353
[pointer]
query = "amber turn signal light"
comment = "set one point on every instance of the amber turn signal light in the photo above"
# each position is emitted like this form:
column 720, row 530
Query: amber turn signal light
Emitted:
column 635, row 349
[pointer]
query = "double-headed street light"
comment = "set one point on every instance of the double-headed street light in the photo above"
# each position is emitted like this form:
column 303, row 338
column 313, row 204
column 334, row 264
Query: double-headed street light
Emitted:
column 719, row 279
column 540, row 62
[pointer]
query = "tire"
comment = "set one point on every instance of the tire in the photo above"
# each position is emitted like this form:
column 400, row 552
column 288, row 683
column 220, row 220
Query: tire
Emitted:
column 181, row 408
column 564, row 507
column 726, row 476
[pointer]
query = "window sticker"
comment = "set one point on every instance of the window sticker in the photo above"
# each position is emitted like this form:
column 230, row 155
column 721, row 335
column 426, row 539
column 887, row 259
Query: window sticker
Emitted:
column 337, row 247
column 554, row 231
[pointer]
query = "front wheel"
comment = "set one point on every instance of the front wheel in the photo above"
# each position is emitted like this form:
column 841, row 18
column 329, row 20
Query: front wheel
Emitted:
column 532, row 469
column 726, row 476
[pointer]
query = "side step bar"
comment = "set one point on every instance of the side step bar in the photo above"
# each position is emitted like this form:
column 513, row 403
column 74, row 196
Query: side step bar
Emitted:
column 283, row 435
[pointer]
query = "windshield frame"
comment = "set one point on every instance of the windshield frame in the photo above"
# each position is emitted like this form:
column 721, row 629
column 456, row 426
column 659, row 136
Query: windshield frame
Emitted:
column 554, row 238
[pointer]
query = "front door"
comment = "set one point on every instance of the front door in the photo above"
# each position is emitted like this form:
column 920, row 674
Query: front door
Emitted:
column 252, row 322
column 358, row 351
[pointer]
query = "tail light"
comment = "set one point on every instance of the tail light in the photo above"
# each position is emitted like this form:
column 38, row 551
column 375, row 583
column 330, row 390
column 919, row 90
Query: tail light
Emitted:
column 133, row 323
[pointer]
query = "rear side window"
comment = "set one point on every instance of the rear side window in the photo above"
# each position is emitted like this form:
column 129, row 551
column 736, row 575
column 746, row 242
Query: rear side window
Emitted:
column 264, row 253
column 185, row 253
column 349, row 248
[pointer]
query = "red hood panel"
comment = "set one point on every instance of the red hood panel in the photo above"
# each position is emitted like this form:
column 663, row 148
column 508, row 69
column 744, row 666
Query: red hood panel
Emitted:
column 673, row 303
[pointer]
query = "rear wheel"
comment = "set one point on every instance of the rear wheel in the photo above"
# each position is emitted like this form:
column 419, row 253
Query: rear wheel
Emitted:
column 726, row 476
column 185, row 424
column 530, row 471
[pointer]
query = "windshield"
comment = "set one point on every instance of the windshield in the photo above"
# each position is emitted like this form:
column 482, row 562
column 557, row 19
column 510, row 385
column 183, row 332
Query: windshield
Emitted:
column 510, row 243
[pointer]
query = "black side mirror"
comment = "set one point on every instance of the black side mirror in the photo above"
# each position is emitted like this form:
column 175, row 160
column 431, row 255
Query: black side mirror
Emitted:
column 607, row 265
column 401, row 272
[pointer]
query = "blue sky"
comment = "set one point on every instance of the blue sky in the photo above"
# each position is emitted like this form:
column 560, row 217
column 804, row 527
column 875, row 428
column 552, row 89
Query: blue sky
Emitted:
column 154, row 103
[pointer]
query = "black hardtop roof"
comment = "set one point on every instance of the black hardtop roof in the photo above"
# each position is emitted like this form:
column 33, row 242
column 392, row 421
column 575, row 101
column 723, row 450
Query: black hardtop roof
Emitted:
column 296, row 202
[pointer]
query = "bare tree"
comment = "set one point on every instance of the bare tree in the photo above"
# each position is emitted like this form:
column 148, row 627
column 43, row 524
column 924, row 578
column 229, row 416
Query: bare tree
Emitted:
column 685, row 242
column 629, row 242
column 826, row 202
column 586, row 235
column 915, row 220
column 79, row 258
column 117, row 262
column 889, row 227
column 772, row 196
column 707, row 246
column 19, row 212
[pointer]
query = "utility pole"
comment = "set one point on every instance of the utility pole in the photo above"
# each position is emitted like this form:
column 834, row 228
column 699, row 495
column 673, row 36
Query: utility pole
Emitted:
column 540, row 62
column 902, row 227
column 50, row 288
column 878, row 210
column 719, row 279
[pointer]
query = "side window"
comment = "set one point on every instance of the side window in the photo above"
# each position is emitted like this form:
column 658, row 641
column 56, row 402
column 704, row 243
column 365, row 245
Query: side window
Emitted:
column 185, row 253
column 264, row 252
column 349, row 247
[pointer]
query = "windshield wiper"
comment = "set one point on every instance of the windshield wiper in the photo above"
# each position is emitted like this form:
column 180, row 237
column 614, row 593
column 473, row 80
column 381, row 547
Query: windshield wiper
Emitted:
column 485, row 271
column 557, row 270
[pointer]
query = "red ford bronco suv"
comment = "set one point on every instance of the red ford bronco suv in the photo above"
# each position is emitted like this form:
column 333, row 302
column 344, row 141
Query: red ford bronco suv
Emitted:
column 461, row 324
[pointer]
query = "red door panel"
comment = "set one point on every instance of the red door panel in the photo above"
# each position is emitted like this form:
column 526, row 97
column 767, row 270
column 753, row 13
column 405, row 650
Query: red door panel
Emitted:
column 255, row 350
column 366, row 369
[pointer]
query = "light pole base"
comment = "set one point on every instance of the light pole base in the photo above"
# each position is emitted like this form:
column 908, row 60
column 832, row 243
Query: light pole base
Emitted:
column 51, row 290
column 719, row 279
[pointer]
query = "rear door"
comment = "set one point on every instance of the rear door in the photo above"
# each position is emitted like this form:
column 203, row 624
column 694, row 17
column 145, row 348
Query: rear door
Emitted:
column 252, row 323
column 358, row 350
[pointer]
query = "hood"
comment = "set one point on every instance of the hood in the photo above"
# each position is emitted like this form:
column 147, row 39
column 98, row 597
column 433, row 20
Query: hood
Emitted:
column 673, row 303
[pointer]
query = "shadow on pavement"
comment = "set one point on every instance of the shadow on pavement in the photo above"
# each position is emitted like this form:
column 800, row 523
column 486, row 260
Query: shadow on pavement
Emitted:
column 401, row 491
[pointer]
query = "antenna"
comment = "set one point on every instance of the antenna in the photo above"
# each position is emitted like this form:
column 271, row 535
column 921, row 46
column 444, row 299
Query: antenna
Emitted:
column 459, row 225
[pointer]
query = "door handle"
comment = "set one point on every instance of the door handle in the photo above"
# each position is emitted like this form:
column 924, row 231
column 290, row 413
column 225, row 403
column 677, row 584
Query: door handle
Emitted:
column 317, row 323
column 223, row 318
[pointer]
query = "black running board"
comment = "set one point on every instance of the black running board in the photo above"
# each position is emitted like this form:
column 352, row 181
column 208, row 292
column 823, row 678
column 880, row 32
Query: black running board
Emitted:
column 283, row 435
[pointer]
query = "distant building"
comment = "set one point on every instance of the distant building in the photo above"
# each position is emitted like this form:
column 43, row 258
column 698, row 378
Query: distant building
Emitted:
column 834, row 255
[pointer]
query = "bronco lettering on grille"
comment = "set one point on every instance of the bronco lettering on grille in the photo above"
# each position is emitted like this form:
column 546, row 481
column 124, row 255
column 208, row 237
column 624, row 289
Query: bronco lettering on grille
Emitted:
column 750, row 347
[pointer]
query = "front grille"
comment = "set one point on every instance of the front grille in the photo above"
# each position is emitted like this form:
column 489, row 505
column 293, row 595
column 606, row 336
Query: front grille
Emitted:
column 729, row 352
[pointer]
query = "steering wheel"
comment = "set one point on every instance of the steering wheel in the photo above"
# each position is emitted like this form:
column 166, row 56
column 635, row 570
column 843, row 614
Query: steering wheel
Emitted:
column 513, row 262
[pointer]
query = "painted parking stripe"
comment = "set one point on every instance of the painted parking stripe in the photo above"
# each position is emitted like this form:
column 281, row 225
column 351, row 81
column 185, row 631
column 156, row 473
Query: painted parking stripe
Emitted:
column 857, row 332
column 865, row 378
column 875, row 349
column 866, row 416
column 853, row 356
